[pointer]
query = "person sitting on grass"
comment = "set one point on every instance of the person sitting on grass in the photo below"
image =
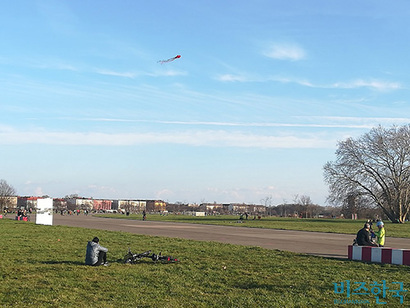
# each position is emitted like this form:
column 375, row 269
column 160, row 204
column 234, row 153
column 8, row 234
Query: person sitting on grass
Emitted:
column 381, row 233
column 363, row 236
column 96, row 254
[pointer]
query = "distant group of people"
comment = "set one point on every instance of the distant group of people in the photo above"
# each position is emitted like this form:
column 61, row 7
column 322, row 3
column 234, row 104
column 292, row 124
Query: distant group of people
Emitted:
column 23, row 214
column 70, row 212
column 366, row 235
column 246, row 215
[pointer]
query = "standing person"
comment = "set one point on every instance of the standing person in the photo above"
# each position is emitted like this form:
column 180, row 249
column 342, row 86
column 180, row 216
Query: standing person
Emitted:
column 363, row 236
column 381, row 233
column 144, row 215
column 96, row 254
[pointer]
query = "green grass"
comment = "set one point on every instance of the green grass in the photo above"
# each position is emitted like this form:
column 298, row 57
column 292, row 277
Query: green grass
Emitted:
column 346, row 226
column 42, row 266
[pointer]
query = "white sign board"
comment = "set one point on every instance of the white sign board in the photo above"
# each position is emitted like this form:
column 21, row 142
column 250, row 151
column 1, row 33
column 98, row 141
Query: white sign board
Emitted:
column 44, row 211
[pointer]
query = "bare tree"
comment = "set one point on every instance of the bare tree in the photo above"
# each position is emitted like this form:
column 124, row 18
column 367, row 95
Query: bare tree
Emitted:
column 376, row 167
column 267, row 202
column 6, row 192
column 304, row 202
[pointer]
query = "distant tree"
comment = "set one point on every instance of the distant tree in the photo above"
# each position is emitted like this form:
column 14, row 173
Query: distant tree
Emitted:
column 6, row 192
column 267, row 202
column 355, row 205
column 331, row 211
column 376, row 168
column 304, row 203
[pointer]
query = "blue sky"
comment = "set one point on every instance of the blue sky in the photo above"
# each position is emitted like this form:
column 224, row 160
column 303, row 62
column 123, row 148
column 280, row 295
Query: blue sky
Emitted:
column 254, row 107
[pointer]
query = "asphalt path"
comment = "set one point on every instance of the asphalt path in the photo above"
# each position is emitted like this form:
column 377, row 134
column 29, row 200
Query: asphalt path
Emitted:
column 313, row 243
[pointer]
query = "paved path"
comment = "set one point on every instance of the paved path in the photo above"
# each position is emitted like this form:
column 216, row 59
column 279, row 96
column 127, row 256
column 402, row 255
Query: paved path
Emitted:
column 314, row 243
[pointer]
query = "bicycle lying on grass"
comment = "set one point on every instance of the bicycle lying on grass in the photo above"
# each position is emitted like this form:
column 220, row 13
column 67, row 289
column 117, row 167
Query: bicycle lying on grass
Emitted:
column 133, row 258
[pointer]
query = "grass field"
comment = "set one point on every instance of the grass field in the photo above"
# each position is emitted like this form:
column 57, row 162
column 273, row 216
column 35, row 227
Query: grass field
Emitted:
column 346, row 226
column 42, row 266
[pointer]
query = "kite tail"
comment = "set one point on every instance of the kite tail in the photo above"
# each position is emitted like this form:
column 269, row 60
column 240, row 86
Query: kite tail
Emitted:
column 169, row 60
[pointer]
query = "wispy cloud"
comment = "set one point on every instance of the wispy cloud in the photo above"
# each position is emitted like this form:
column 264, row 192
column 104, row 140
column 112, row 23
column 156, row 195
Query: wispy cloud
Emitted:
column 365, row 122
column 374, row 84
column 209, row 138
column 285, row 51
column 164, row 73
column 55, row 64
column 210, row 135
column 331, row 123
column 232, row 78
column 117, row 74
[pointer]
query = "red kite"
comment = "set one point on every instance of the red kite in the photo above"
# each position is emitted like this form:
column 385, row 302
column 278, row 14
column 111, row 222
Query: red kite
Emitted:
column 170, row 59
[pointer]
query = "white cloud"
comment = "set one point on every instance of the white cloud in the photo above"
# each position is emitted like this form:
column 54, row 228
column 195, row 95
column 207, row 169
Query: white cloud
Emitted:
column 232, row 78
column 211, row 138
column 168, row 73
column 165, row 194
column 39, row 191
column 364, row 121
column 373, row 84
column 334, row 122
column 285, row 51
column 101, row 190
column 117, row 74
column 302, row 82
column 165, row 73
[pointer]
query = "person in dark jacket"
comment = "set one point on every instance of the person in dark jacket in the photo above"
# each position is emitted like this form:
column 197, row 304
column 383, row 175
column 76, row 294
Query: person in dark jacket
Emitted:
column 363, row 236
column 96, row 254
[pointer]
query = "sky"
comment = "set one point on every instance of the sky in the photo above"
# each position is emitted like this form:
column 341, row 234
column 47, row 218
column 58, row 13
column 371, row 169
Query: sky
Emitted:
column 253, row 109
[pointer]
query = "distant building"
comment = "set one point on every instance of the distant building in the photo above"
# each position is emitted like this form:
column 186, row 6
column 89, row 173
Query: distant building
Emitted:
column 236, row 208
column 80, row 204
column 59, row 204
column 257, row 209
column 27, row 203
column 101, row 205
column 8, row 203
column 211, row 207
column 132, row 206
column 156, row 206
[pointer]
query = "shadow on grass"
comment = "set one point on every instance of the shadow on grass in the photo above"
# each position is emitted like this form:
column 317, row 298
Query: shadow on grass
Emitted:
column 148, row 262
column 119, row 261
column 329, row 256
column 385, row 266
column 64, row 262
